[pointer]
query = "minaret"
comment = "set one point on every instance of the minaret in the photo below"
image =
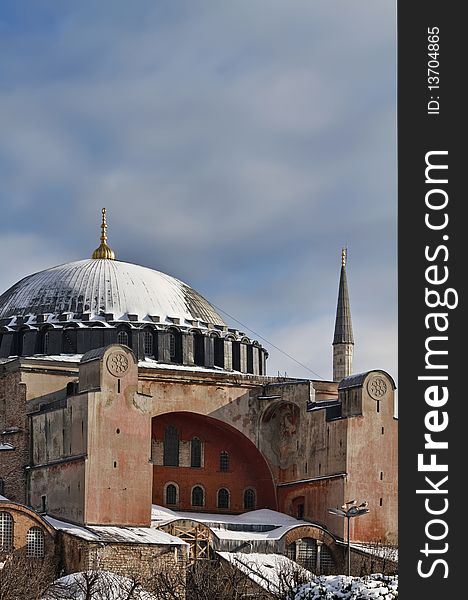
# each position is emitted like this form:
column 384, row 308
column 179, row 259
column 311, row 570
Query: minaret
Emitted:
column 343, row 342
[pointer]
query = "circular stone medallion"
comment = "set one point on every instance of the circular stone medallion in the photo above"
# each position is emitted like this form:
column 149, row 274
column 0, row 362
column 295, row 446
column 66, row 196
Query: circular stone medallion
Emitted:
column 377, row 387
column 117, row 363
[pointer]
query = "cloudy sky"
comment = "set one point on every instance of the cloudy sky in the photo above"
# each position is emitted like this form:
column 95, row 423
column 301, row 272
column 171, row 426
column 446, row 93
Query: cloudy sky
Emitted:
column 237, row 145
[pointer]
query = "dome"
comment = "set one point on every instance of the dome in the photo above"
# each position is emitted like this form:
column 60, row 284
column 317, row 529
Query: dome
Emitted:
column 104, row 289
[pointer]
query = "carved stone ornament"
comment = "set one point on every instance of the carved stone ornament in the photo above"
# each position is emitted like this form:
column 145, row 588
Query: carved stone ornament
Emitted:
column 377, row 387
column 117, row 364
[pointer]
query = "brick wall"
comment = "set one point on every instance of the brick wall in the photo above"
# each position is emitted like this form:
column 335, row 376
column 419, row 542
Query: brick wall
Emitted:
column 23, row 520
column 247, row 467
column 13, row 415
column 129, row 560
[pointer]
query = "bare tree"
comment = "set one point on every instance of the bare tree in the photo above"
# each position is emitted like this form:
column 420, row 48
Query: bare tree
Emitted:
column 24, row 578
column 97, row 585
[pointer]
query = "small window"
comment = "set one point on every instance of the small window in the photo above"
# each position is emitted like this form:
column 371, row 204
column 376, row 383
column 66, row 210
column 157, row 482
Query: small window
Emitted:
column 249, row 499
column 381, row 501
column 122, row 338
column 223, row 498
column 198, row 496
column 69, row 341
column 45, row 343
column 195, row 453
column 6, row 532
column 171, row 447
column 172, row 345
column 224, row 461
column 148, row 342
column 171, row 494
column 35, row 543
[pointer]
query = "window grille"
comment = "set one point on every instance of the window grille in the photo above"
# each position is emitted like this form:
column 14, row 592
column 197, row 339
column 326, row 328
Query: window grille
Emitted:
column 6, row 532
column 307, row 554
column 249, row 499
column 224, row 461
column 35, row 543
column 171, row 494
column 198, row 496
column 223, row 498
column 148, row 343
column 122, row 338
column 195, row 454
column 171, row 447
column 172, row 345
column 45, row 343
column 327, row 564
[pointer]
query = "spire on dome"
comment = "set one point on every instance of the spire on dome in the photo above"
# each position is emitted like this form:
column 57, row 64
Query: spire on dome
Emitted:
column 343, row 325
column 104, row 251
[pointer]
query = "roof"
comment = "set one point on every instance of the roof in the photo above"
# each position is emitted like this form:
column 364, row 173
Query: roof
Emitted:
column 343, row 326
column 273, row 572
column 98, row 287
column 358, row 379
column 116, row 534
column 263, row 524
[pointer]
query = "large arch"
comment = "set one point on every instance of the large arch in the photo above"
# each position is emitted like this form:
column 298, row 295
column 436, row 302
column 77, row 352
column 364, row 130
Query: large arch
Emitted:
column 247, row 466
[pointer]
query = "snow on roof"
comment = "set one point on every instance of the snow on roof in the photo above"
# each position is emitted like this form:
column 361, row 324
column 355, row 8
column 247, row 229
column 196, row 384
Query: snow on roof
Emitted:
column 116, row 534
column 263, row 524
column 136, row 535
column 149, row 363
column 98, row 287
column 263, row 516
column 273, row 572
column 4, row 499
column 77, row 530
column 388, row 552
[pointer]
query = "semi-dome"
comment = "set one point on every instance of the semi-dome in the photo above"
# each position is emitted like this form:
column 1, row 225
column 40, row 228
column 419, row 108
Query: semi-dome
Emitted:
column 106, row 289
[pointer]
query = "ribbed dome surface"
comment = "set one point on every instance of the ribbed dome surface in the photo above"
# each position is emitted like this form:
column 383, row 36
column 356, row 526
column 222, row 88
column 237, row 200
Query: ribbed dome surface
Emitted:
column 99, row 286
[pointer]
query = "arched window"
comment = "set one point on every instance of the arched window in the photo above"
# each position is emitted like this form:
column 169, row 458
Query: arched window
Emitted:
column 172, row 345
column 45, row 343
column 171, row 494
column 148, row 342
column 171, row 447
column 249, row 499
column 6, row 532
column 198, row 496
column 224, row 461
column 69, row 345
column 223, row 498
column 195, row 453
column 35, row 543
column 122, row 337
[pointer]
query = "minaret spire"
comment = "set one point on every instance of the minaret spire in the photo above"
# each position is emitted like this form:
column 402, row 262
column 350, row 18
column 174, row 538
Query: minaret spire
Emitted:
column 104, row 251
column 343, row 341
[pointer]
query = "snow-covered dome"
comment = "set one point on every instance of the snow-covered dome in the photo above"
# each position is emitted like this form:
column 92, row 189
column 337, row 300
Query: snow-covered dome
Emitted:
column 104, row 288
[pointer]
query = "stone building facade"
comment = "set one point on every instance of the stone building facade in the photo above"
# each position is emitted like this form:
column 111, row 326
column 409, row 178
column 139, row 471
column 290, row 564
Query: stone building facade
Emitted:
column 122, row 388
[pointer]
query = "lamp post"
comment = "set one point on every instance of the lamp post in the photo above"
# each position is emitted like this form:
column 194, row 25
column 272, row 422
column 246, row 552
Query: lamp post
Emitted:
column 348, row 510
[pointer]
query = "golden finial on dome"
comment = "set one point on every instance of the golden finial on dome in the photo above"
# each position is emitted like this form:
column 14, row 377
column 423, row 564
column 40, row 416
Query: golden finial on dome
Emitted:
column 344, row 254
column 104, row 251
